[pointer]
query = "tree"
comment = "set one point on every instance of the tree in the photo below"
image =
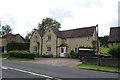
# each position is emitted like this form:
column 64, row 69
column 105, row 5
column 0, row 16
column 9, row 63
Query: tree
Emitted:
column 48, row 21
column 6, row 28
column 28, row 35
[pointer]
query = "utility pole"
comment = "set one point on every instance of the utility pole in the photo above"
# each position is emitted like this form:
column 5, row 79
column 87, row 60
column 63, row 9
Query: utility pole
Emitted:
column 98, row 47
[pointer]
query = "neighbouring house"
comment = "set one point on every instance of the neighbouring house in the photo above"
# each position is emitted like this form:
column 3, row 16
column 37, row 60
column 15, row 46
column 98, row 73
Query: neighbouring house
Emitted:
column 60, row 43
column 114, row 36
column 7, row 38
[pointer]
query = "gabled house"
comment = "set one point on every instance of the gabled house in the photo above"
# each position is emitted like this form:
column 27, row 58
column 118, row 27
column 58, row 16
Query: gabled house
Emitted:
column 7, row 38
column 60, row 43
column 114, row 36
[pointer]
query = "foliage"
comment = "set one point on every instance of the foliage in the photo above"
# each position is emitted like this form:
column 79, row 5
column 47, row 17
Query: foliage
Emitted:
column 48, row 21
column 104, row 50
column 94, row 43
column 17, row 46
column 103, row 41
column 21, row 54
column 115, row 51
column 6, row 28
column 28, row 36
column 73, row 54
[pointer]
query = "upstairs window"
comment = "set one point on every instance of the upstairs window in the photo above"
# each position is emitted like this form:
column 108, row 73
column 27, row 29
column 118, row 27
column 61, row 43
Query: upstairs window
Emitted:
column 49, row 49
column 49, row 38
column 88, row 38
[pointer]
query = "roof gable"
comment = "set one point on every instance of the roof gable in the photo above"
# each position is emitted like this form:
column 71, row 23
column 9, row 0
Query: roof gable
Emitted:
column 114, row 35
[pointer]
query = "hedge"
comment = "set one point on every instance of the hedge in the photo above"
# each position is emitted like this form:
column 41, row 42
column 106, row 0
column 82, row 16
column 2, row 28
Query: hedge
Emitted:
column 115, row 51
column 21, row 54
column 17, row 46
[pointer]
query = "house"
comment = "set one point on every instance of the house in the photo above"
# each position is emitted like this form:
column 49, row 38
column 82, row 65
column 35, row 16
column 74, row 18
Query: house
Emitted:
column 60, row 43
column 7, row 38
column 114, row 36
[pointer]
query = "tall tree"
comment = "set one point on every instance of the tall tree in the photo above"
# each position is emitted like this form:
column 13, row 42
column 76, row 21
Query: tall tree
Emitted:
column 28, row 35
column 6, row 28
column 48, row 21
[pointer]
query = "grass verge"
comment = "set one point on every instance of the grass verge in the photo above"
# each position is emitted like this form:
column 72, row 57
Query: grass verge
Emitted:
column 96, row 67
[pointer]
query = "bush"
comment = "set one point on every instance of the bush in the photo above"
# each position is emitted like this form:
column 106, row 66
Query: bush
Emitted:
column 115, row 51
column 21, row 54
column 73, row 54
column 17, row 46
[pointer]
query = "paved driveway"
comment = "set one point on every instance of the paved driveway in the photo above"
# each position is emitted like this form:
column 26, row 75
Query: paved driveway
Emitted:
column 66, row 62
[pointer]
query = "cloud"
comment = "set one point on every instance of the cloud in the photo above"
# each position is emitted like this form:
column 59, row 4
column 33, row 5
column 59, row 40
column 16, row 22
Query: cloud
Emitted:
column 60, row 13
column 24, row 15
column 89, row 3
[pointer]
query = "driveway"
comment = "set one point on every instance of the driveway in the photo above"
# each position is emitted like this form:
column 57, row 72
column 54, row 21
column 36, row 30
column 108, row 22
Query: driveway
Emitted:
column 62, row 62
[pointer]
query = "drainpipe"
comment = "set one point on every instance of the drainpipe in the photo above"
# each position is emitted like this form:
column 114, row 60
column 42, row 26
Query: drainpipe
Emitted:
column 41, row 44
column 56, row 46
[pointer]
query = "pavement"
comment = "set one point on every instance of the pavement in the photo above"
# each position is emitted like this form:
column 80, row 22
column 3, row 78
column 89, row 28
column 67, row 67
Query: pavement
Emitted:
column 61, row 62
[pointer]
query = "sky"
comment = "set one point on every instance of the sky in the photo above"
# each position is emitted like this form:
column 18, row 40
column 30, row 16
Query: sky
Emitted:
column 24, row 15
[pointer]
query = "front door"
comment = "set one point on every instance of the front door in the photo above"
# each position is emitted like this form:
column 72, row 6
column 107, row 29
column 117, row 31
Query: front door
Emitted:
column 62, row 51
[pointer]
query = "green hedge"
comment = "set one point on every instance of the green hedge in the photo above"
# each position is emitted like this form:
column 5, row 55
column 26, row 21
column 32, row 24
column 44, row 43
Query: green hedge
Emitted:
column 115, row 51
column 21, row 54
column 17, row 46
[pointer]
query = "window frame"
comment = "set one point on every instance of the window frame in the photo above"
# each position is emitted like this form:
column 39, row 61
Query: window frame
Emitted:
column 49, row 38
column 49, row 48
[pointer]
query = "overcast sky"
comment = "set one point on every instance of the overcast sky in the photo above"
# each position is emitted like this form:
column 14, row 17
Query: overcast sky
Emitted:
column 24, row 15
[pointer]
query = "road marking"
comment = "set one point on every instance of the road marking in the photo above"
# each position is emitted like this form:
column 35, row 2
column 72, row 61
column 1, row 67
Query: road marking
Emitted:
column 4, row 67
column 36, row 74
column 29, row 72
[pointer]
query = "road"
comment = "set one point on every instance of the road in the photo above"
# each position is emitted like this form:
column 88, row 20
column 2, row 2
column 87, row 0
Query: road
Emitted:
column 20, row 69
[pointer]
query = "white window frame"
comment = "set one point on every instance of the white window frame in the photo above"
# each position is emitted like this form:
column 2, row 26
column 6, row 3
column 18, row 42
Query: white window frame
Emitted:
column 49, row 37
column 76, row 50
column 49, row 48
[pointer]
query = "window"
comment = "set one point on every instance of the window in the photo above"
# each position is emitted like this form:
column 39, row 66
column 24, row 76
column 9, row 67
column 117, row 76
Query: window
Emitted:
column 35, row 49
column 88, row 38
column 62, row 50
column 48, row 49
column 76, row 50
column 49, row 37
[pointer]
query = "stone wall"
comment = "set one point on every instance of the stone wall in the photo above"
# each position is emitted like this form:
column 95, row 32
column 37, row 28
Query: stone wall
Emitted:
column 101, row 61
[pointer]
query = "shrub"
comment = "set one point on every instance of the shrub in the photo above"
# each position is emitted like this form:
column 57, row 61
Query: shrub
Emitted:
column 73, row 54
column 115, row 51
column 21, row 54
column 17, row 46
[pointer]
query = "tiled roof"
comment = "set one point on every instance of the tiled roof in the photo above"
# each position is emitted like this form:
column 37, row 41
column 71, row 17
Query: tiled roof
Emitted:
column 73, row 33
column 11, row 36
column 41, row 33
column 114, row 35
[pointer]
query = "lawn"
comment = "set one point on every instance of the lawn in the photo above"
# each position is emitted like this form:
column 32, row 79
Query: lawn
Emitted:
column 96, row 67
